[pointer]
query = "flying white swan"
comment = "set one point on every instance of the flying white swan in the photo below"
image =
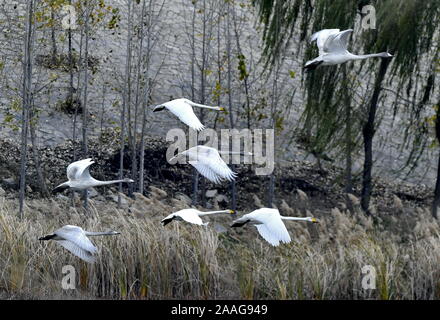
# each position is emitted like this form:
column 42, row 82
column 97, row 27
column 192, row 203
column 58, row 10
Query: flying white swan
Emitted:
column 182, row 108
column 75, row 240
column 80, row 179
column 270, row 224
column 208, row 162
column 191, row 216
column 332, row 45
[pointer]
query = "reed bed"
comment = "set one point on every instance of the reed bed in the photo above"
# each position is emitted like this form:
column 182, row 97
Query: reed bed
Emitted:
column 182, row 261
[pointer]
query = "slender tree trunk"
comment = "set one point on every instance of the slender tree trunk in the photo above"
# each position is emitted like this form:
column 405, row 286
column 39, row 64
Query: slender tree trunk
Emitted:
column 195, row 199
column 136, row 104
column 145, row 101
column 202, row 92
column 368, row 132
column 436, row 202
column 54, row 53
column 127, row 94
column 71, row 88
column 231, row 118
column 86, row 80
column 26, row 93
column 348, row 136
column 126, row 102
column 36, row 153
column 80, row 66
column 246, row 77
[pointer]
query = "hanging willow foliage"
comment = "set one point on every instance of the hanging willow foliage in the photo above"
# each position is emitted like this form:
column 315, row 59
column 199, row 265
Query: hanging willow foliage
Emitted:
column 406, row 28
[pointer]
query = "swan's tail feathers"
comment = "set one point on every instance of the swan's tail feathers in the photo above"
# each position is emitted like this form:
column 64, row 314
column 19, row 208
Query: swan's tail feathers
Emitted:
column 239, row 223
column 60, row 188
column 312, row 65
column 206, row 223
column 48, row 237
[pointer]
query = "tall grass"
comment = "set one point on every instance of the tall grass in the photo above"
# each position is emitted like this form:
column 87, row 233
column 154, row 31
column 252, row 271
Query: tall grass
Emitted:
column 182, row 261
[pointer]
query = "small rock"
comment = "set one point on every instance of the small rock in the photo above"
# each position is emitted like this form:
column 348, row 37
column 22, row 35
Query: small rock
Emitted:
column 2, row 191
column 221, row 197
column 159, row 193
column 114, row 198
column 92, row 193
column 184, row 198
column 302, row 195
column 10, row 182
column 397, row 203
column 61, row 197
column 211, row 193
column 219, row 228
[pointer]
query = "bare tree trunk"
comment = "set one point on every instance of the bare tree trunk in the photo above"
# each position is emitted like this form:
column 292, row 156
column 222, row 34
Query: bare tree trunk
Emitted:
column 368, row 132
column 436, row 202
column 195, row 199
column 86, row 80
column 145, row 101
column 80, row 66
column 126, row 102
column 36, row 153
column 348, row 136
column 54, row 52
column 137, row 97
column 246, row 77
column 202, row 92
column 26, row 93
column 231, row 118
column 71, row 88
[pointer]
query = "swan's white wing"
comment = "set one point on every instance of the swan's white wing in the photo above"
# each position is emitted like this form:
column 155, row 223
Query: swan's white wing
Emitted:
column 337, row 42
column 185, row 113
column 321, row 37
column 272, row 228
column 208, row 163
column 190, row 215
column 213, row 170
column 205, row 171
column 77, row 251
column 221, row 168
column 76, row 236
column 267, row 235
column 79, row 169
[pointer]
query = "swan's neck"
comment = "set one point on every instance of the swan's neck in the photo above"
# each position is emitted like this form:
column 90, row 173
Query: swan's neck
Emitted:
column 106, row 233
column 97, row 183
column 204, row 106
column 235, row 152
column 294, row 218
column 366, row 56
column 212, row 212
